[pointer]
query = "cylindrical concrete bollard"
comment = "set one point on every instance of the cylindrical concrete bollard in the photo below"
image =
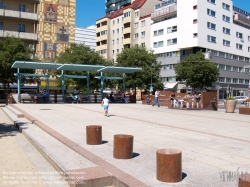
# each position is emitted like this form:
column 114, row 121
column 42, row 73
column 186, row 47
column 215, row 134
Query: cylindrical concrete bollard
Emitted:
column 123, row 146
column 94, row 134
column 244, row 180
column 168, row 165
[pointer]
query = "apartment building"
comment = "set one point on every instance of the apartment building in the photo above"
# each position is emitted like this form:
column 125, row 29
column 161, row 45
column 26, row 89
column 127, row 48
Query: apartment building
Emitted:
column 113, row 5
column 217, row 27
column 125, row 27
column 47, row 26
column 87, row 36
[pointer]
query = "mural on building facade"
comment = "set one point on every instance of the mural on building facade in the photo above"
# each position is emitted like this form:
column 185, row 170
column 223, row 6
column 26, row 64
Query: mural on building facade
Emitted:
column 49, row 50
column 62, row 33
column 51, row 13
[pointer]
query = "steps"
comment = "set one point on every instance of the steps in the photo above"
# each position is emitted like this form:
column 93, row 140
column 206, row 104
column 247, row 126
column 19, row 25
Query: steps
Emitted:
column 68, row 163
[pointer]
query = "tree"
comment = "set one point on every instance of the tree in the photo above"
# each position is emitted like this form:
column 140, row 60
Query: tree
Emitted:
column 12, row 49
column 81, row 54
column 197, row 71
column 140, row 57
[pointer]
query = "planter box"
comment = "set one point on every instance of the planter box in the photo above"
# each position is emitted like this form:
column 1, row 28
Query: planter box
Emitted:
column 244, row 110
column 230, row 105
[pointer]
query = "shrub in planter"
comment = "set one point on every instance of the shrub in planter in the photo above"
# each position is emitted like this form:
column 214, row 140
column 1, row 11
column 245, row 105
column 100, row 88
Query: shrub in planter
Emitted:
column 230, row 104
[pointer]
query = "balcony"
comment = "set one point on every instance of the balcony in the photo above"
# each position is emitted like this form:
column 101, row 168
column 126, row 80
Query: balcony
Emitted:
column 102, row 28
column 127, row 20
column 166, row 11
column 126, row 41
column 103, row 37
column 101, row 47
column 21, row 35
column 111, row 2
column 110, row 9
column 126, row 2
column 242, row 19
column 127, row 30
column 18, row 14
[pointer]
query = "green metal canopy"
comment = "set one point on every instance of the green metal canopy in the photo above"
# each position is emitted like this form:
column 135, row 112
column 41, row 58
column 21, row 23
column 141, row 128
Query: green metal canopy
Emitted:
column 110, row 78
column 115, row 69
column 80, row 67
column 35, row 65
column 73, row 76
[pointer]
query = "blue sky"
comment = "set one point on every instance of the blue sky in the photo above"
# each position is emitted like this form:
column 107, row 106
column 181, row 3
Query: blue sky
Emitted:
column 88, row 11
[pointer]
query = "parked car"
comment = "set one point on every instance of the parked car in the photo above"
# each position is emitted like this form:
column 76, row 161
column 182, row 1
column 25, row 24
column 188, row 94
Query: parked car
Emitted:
column 241, row 99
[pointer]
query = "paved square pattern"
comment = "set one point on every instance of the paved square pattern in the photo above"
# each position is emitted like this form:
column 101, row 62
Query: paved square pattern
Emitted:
column 214, row 144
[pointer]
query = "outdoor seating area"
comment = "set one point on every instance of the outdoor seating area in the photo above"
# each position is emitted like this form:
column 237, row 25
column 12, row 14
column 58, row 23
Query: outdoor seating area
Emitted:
column 205, row 100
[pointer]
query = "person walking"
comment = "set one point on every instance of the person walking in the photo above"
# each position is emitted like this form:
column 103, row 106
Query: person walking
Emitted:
column 157, row 94
column 105, row 104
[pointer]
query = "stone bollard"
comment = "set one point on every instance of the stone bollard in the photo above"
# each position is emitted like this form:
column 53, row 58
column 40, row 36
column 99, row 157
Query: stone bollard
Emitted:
column 168, row 165
column 94, row 134
column 244, row 180
column 123, row 146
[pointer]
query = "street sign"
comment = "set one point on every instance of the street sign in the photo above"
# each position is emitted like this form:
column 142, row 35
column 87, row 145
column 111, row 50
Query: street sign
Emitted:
column 151, row 88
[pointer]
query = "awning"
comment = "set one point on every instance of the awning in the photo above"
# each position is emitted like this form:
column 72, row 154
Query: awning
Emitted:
column 170, row 85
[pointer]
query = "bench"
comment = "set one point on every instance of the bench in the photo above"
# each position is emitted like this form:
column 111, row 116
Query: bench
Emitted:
column 118, row 98
column 27, row 97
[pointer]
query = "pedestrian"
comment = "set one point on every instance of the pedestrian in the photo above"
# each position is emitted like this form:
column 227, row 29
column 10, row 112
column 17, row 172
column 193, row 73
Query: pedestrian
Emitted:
column 124, row 97
column 45, row 95
column 35, row 98
column 105, row 104
column 172, row 98
column 157, row 94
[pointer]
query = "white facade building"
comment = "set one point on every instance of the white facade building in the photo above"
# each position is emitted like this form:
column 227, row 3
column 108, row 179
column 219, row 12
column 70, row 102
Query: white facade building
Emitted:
column 216, row 27
column 86, row 36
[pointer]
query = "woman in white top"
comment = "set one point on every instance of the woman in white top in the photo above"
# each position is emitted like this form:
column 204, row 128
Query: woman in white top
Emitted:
column 105, row 104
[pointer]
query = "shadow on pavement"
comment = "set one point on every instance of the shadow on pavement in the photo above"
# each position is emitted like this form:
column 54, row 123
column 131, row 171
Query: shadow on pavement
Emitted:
column 135, row 155
column 7, row 130
column 184, row 175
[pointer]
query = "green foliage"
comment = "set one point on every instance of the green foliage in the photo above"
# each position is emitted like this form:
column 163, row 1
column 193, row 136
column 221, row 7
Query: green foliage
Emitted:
column 11, row 50
column 197, row 71
column 230, row 98
column 140, row 57
column 80, row 54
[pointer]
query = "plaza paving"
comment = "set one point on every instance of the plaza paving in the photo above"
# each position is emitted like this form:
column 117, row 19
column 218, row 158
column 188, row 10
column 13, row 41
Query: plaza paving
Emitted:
column 213, row 143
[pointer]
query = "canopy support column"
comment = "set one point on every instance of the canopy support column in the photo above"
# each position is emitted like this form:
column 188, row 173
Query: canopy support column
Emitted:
column 63, row 86
column 88, row 86
column 123, row 86
column 18, row 85
column 102, row 80
column 47, row 86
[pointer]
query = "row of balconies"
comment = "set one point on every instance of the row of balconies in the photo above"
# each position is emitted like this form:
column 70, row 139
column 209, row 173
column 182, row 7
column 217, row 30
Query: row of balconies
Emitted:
column 166, row 11
column 18, row 14
column 21, row 35
column 242, row 19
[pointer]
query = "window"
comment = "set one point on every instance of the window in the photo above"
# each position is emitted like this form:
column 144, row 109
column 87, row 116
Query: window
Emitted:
column 172, row 29
column 241, row 81
column 195, row 21
column 155, row 33
column 241, row 58
column 117, row 20
column 226, row 43
column 226, row 30
column 113, row 42
column 136, row 35
column 127, row 14
column 1, row 5
column 236, row 69
column 222, row 67
column 225, row 6
column 239, row 35
column 136, row 25
column 172, row 41
column 143, row 34
column 239, row 46
column 117, row 50
column 195, row 35
column 226, row 18
column 21, row 8
column 246, row 81
column 211, row 39
column 113, row 32
column 104, row 32
column 228, row 80
column 136, row 14
column 158, row 44
column 248, row 47
column 1, row 25
column 113, row 22
column 117, row 31
column 228, row 68
column 113, row 51
column 117, row 41
column 159, row 32
column 143, row 44
column 211, row 26
column 195, row 7
column 249, row 38
column 235, row 80
column 211, row 1
column 143, row 23
column 21, row 28
column 221, row 54
column 221, row 79
column 211, row 12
